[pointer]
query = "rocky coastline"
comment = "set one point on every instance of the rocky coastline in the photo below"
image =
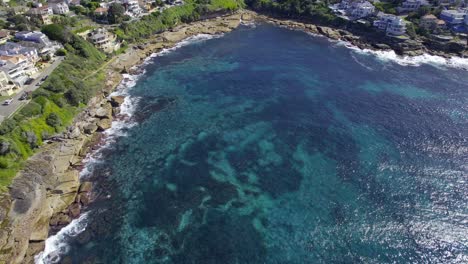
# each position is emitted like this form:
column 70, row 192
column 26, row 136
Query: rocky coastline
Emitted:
column 376, row 41
column 47, row 194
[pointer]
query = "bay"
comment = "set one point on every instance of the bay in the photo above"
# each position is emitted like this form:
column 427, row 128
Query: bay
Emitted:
column 268, row 145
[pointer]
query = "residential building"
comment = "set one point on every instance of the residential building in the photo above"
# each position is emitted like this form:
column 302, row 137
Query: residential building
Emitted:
column 132, row 8
column 39, row 41
column 411, row 5
column 396, row 27
column 43, row 13
column 391, row 24
column 33, row 36
column 18, row 68
column 431, row 22
column 11, row 49
column 7, row 87
column 103, row 40
column 60, row 8
column 361, row 9
column 74, row 2
column 101, row 11
column 453, row 17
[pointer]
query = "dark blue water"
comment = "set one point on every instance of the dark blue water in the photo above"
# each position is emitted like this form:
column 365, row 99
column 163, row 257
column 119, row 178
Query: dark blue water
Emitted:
column 272, row 146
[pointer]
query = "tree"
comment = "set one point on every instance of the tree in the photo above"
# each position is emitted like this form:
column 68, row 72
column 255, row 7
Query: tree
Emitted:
column 53, row 120
column 115, row 13
column 57, row 32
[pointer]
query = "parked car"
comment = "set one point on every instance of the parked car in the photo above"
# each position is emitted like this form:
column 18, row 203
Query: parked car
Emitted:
column 8, row 101
column 24, row 96
column 44, row 78
column 29, row 81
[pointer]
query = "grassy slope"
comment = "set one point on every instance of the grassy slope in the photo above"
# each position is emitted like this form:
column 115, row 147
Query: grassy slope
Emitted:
column 69, row 77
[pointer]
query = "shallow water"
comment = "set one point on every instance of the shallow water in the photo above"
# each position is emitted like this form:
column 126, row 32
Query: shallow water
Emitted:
column 273, row 146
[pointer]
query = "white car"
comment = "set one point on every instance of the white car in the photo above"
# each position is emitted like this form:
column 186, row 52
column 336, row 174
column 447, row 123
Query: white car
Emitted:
column 8, row 101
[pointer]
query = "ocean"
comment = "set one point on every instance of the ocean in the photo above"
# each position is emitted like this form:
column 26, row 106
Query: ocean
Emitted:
column 268, row 145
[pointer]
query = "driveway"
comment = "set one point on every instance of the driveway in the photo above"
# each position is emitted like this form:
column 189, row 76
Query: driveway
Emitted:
column 8, row 110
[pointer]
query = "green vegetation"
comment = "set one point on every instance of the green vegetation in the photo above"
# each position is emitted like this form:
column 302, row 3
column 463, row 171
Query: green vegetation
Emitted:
column 53, row 105
column 317, row 12
column 158, row 22
column 386, row 7
column 75, row 81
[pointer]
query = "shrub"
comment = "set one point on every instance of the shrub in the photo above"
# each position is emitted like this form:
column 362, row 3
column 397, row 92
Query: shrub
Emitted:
column 4, row 147
column 53, row 120
column 31, row 109
column 61, row 52
column 7, row 126
column 30, row 138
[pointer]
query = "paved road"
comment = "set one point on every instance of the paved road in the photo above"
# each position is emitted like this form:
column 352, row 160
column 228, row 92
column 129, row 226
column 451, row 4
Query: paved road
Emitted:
column 8, row 110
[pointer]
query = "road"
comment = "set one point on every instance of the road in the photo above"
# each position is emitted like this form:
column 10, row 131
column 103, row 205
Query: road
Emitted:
column 8, row 110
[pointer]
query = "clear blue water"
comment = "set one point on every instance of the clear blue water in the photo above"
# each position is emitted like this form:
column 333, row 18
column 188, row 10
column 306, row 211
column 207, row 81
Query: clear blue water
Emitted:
column 272, row 146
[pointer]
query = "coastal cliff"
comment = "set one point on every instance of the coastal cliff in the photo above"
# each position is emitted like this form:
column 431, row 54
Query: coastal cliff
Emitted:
column 47, row 193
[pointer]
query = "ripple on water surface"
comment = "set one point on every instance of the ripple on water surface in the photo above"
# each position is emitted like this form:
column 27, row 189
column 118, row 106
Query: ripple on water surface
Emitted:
column 273, row 146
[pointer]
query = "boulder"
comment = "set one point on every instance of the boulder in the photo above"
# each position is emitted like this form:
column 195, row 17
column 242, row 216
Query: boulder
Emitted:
column 329, row 32
column 104, row 111
column 74, row 133
column 60, row 219
column 381, row 46
column 104, row 124
column 74, row 210
column 117, row 100
column 86, row 187
column 90, row 128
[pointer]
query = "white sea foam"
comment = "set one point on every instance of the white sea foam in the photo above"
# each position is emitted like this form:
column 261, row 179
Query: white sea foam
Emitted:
column 56, row 245
column 390, row 55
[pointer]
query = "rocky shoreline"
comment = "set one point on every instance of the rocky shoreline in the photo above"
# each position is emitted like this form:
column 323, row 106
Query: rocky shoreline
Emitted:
column 47, row 194
column 374, row 41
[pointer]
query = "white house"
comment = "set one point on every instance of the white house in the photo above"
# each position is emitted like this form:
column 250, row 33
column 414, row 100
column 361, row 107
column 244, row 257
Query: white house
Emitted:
column 7, row 87
column 453, row 17
column 391, row 24
column 60, row 8
column 11, row 49
column 411, row 5
column 103, row 39
column 132, row 8
column 18, row 68
column 360, row 9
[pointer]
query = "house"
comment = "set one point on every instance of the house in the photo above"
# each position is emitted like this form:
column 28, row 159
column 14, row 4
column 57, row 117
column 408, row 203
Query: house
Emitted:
column 411, row 5
column 39, row 41
column 103, row 39
column 132, row 8
column 7, row 87
column 11, row 49
column 60, row 8
column 74, row 2
column 43, row 13
column 431, row 22
column 18, row 68
column 33, row 36
column 391, row 24
column 453, row 17
column 101, row 11
column 361, row 9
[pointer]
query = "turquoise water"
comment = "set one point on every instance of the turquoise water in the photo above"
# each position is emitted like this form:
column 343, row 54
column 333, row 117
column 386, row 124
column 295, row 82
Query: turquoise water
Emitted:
column 272, row 146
